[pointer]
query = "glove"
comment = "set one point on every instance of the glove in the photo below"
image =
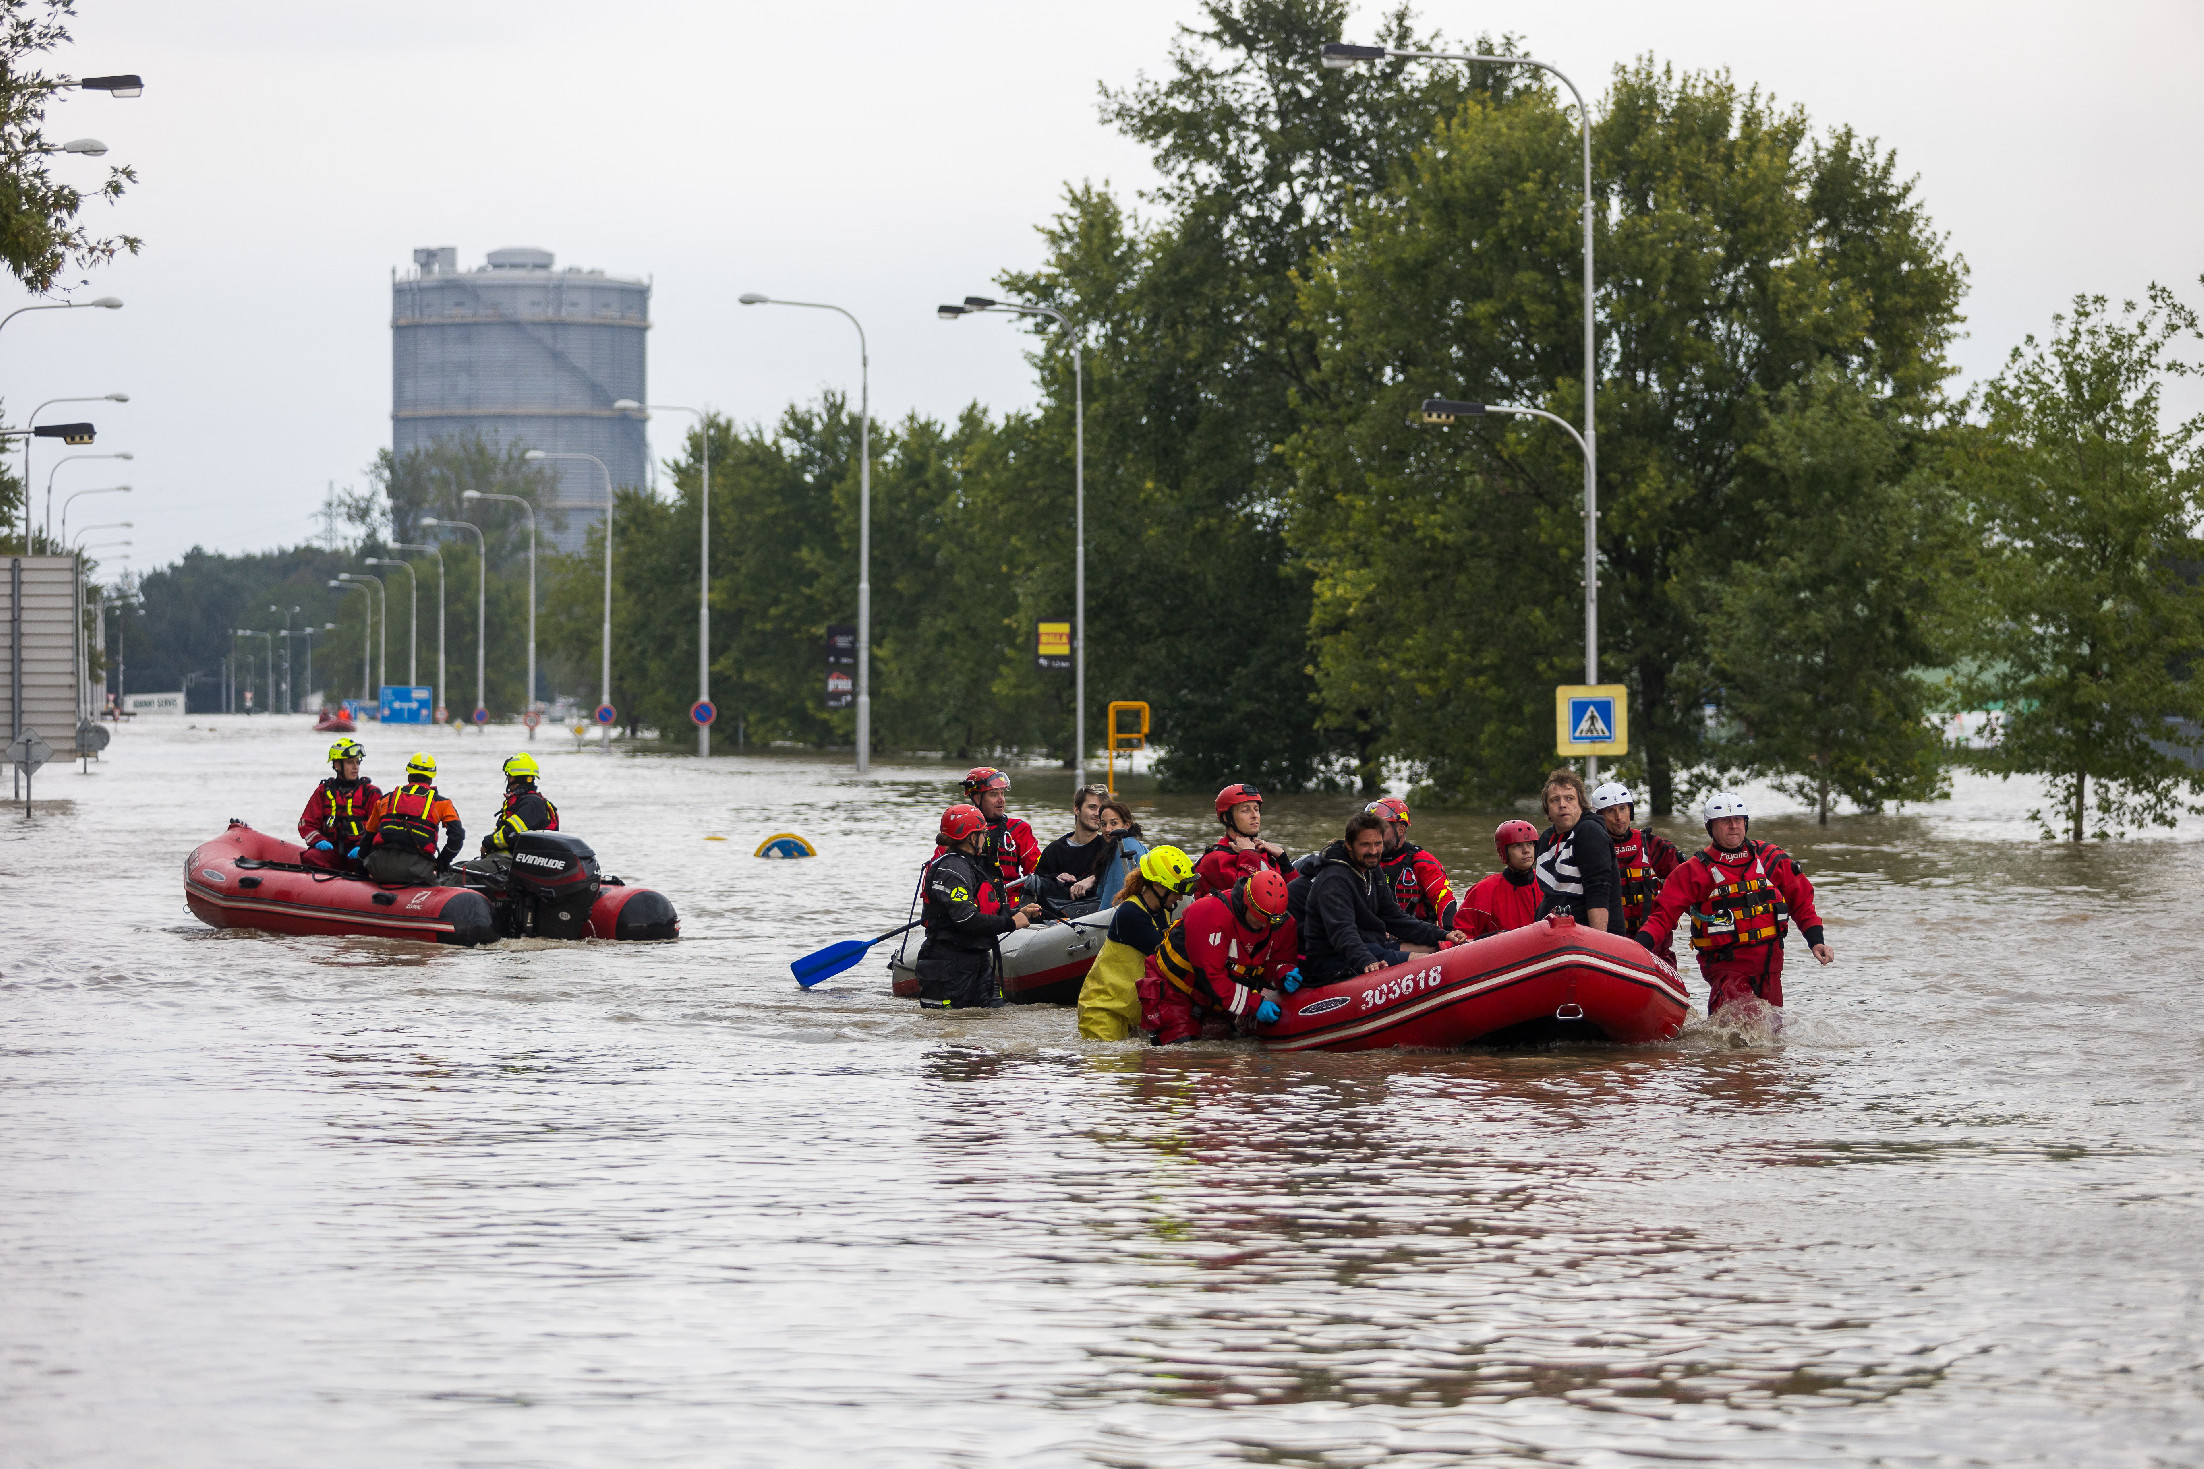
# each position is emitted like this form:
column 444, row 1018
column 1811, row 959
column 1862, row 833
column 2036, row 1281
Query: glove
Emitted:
column 1267, row 1013
column 353, row 855
column 1646, row 939
column 1291, row 981
column 325, row 846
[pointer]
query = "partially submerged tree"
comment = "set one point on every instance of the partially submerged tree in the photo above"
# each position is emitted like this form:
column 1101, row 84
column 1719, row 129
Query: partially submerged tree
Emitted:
column 2087, row 507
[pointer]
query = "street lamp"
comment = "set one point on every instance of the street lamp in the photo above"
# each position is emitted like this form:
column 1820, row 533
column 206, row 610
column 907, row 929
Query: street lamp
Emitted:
column 704, row 562
column 246, row 632
column 864, row 519
column 413, row 614
column 1339, row 56
column 606, row 699
column 290, row 705
column 528, row 703
column 80, row 494
column 127, row 85
column 64, row 459
column 973, row 306
column 367, row 630
column 481, row 605
column 41, row 408
column 380, row 597
column 107, row 303
column 307, row 633
column 438, row 553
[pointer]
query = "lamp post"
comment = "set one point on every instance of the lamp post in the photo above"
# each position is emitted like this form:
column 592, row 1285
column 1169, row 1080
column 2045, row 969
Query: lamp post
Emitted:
column 246, row 632
column 606, row 698
column 105, row 303
column 438, row 553
column 379, row 596
column 367, row 630
column 1339, row 56
column 80, row 494
column 64, row 459
column 307, row 633
column 864, row 518
column 481, row 604
column 528, row 702
column 41, row 408
column 704, row 564
column 413, row 615
column 976, row 305
column 290, row 704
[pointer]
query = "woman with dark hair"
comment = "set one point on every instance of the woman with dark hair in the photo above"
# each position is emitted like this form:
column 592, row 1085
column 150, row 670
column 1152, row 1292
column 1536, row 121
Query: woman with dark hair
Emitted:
column 1576, row 868
column 1122, row 858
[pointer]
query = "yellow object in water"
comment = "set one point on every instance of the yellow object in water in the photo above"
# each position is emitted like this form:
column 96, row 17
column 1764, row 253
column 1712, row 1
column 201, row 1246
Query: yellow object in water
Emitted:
column 1109, row 997
column 715, row 839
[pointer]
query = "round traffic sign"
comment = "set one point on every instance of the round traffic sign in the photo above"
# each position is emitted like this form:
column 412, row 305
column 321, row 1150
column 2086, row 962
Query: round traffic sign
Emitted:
column 702, row 712
column 532, row 718
column 481, row 715
column 443, row 715
column 606, row 714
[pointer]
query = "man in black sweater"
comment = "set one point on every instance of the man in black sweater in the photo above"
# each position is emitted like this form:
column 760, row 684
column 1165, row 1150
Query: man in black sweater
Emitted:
column 1069, row 867
column 1349, row 920
column 1576, row 869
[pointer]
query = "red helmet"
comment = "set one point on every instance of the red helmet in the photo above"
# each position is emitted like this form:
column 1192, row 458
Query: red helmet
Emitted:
column 984, row 778
column 1263, row 895
column 1510, row 833
column 1391, row 808
column 1233, row 795
column 959, row 822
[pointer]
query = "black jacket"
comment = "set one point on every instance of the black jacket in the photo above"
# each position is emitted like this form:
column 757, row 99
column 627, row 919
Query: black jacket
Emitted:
column 963, row 911
column 1345, row 913
column 1577, row 872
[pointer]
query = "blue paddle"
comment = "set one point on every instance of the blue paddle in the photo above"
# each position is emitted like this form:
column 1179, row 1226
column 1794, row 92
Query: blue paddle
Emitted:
column 834, row 958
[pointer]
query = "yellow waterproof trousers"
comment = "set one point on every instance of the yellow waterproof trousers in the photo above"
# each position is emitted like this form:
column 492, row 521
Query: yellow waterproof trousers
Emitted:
column 1109, row 999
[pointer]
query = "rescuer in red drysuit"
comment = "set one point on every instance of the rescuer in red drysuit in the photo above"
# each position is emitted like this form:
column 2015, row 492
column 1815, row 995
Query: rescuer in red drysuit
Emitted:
column 1742, row 897
column 1011, row 848
column 1418, row 878
column 1643, row 858
column 1217, row 959
column 1240, row 852
column 336, row 814
column 1509, row 898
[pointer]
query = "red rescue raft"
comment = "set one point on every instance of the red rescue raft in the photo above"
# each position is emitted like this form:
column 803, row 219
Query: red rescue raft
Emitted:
column 248, row 879
column 334, row 721
column 1552, row 980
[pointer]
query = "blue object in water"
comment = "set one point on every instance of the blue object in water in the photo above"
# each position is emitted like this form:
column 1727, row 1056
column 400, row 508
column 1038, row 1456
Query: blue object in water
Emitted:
column 786, row 844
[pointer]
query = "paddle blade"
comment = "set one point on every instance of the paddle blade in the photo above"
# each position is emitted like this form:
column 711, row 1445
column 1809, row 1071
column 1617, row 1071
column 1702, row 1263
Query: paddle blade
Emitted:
column 829, row 961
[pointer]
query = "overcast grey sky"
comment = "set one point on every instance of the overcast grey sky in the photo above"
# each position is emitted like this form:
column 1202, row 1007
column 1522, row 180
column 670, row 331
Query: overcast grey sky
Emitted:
column 885, row 157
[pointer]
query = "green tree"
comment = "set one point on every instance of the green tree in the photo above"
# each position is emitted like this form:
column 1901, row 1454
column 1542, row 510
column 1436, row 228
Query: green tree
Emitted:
column 2087, row 506
column 1819, row 645
column 1195, row 360
column 1737, row 252
column 39, row 233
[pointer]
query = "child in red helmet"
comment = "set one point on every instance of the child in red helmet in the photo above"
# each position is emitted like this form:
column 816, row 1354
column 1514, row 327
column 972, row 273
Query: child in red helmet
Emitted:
column 1218, row 958
column 1509, row 898
column 1012, row 849
column 1241, row 851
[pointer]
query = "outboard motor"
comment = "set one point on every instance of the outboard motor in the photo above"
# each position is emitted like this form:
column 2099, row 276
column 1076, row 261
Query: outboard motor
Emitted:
column 556, row 881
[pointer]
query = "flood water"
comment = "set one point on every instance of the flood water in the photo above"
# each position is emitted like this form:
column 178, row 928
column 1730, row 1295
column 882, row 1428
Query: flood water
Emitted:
column 285, row 1201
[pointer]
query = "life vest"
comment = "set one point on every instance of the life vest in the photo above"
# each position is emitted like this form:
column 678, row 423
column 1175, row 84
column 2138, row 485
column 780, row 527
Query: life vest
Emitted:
column 1641, row 881
column 344, row 813
column 508, row 825
column 406, row 824
column 986, row 887
column 1245, row 969
column 1744, row 907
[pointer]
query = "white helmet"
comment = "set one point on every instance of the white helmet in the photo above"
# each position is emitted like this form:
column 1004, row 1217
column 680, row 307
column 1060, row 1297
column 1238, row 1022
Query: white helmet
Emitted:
column 1613, row 793
column 1723, row 803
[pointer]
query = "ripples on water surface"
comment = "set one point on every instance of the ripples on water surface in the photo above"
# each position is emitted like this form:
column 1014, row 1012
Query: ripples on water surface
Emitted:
column 277, row 1201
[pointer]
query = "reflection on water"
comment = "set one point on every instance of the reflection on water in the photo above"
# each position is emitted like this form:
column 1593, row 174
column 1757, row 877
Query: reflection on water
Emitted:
column 345, row 1201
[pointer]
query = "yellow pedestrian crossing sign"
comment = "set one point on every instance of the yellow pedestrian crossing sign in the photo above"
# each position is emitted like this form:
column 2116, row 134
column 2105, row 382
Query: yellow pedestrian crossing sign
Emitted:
column 1592, row 719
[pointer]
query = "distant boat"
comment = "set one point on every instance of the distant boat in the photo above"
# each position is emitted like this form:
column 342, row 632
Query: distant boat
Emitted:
column 335, row 721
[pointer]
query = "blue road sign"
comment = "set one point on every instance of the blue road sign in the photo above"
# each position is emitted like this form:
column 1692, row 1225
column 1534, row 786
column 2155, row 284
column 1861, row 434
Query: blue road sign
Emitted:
column 1592, row 721
column 406, row 704
column 702, row 712
column 605, row 714
column 481, row 715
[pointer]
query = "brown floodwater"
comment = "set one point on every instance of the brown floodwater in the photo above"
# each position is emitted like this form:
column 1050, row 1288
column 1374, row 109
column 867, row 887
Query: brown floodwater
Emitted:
column 278, row 1201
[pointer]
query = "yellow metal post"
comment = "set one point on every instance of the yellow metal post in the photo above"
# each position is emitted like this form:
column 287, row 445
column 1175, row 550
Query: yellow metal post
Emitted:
column 1126, row 740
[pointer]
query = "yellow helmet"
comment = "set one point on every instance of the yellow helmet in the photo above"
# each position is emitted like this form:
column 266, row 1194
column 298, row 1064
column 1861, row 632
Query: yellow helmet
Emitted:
column 422, row 764
column 522, row 767
column 1168, row 868
column 347, row 750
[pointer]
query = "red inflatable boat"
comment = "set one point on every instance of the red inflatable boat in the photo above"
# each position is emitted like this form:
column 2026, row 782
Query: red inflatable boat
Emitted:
column 1553, row 980
column 248, row 879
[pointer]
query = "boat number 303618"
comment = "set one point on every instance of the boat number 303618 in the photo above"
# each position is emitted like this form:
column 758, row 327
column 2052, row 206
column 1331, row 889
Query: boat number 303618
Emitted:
column 1403, row 985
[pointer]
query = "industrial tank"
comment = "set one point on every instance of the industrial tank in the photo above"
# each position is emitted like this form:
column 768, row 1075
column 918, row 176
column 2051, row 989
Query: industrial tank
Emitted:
column 521, row 352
